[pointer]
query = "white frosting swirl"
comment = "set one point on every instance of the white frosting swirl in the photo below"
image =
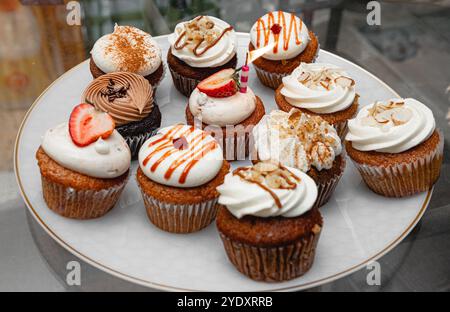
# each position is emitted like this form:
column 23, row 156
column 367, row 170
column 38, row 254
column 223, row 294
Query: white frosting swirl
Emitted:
column 297, row 140
column 201, row 157
column 319, row 87
column 392, row 126
column 108, row 158
column 222, row 111
column 218, row 55
column 140, row 46
column 283, row 50
column 245, row 198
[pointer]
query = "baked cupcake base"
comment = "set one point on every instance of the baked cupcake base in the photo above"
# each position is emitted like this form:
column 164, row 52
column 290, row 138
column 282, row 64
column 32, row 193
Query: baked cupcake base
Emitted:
column 154, row 78
column 181, row 210
column 338, row 119
column 401, row 174
column 270, row 249
column 271, row 73
column 74, row 195
column 186, row 78
column 137, row 132
column 238, row 140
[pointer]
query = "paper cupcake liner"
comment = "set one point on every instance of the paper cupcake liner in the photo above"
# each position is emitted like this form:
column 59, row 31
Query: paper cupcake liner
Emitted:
column 406, row 178
column 176, row 218
column 325, row 190
column 183, row 84
column 341, row 129
column 274, row 80
column 135, row 142
column 235, row 147
column 80, row 204
column 160, row 80
column 273, row 264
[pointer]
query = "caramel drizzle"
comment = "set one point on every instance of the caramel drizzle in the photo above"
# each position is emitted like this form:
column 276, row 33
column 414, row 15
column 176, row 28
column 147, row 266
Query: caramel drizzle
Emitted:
column 195, row 50
column 286, row 34
column 191, row 156
column 276, row 199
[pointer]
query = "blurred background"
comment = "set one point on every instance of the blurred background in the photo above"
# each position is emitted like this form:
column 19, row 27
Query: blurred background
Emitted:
column 410, row 51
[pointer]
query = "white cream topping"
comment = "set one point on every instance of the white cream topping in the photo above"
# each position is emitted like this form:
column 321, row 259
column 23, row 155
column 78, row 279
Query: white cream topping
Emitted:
column 296, row 140
column 319, row 87
column 245, row 198
column 392, row 126
column 110, row 59
column 201, row 162
column 285, row 49
column 108, row 158
column 218, row 55
column 222, row 111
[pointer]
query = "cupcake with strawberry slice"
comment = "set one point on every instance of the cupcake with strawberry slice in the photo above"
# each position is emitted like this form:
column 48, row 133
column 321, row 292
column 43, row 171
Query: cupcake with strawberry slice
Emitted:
column 217, row 106
column 84, row 164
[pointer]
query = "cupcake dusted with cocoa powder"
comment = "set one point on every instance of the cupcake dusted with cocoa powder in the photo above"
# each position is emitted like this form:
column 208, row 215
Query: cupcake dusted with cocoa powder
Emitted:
column 267, row 224
column 128, row 99
column 127, row 49
column 84, row 164
column 286, row 42
column 222, row 110
column 305, row 142
column 198, row 49
column 396, row 147
column 179, row 170
column 320, row 89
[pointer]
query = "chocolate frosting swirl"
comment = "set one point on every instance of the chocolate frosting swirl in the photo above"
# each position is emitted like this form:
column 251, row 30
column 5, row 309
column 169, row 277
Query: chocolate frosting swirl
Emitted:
column 127, row 97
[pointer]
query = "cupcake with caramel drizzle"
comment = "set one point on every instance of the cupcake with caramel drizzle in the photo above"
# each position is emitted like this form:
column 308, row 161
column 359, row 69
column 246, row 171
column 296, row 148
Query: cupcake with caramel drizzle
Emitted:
column 128, row 99
column 179, row 170
column 198, row 49
column 285, row 42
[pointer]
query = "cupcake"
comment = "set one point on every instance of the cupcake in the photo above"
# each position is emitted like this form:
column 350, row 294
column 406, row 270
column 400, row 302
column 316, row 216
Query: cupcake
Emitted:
column 127, row 49
column 286, row 42
column 267, row 222
column 179, row 170
column 218, row 107
column 128, row 99
column 395, row 146
column 320, row 89
column 84, row 164
column 304, row 142
column 198, row 49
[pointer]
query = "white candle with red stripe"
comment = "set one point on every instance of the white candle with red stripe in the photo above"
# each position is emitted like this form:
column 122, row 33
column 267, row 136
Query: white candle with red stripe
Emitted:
column 244, row 76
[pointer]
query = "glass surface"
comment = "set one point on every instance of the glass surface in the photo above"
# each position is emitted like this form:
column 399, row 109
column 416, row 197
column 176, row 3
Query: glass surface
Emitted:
column 410, row 51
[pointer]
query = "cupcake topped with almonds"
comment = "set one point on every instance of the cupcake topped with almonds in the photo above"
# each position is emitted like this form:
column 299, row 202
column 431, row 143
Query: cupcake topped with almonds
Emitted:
column 127, row 49
column 320, row 89
column 199, row 48
column 267, row 222
column 305, row 142
column 284, row 42
column 396, row 147
column 128, row 99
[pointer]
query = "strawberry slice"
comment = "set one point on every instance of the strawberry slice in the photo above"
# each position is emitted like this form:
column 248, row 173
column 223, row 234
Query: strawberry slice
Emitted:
column 221, row 84
column 87, row 125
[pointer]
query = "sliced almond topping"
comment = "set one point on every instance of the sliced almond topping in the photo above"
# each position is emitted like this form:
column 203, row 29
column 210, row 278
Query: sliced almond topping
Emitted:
column 304, row 77
column 265, row 167
column 344, row 82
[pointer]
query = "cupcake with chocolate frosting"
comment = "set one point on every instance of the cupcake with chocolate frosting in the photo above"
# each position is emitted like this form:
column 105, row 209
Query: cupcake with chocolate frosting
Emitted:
column 198, row 49
column 285, row 42
column 127, row 49
column 396, row 147
column 267, row 222
column 305, row 142
column 179, row 170
column 128, row 99
column 320, row 89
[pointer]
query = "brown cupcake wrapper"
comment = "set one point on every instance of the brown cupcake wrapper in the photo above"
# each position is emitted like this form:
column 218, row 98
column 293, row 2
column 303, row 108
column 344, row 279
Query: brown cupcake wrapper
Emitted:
column 183, row 84
column 80, row 204
column 273, row 264
column 404, row 179
column 325, row 190
column 341, row 129
column 155, row 86
column 274, row 80
column 176, row 218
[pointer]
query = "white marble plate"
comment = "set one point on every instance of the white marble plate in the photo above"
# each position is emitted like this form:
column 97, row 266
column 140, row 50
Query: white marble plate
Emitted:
column 359, row 226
